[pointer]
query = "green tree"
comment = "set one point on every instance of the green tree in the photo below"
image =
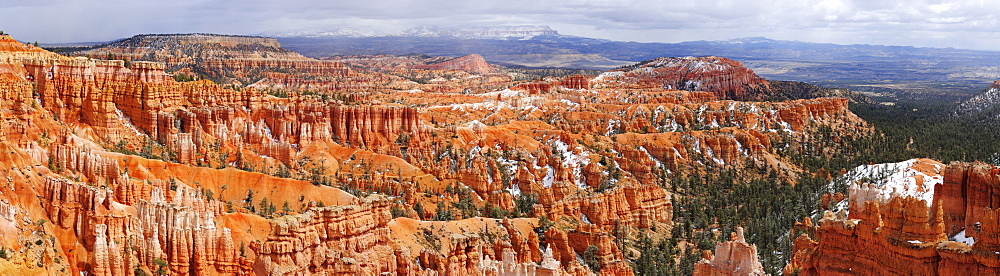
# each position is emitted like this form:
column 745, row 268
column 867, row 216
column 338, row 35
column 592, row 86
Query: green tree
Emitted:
column 397, row 212
column 524, row 204
column 263, row 207
column 419, row 209
column 443, row 213
column 592, row 258
column 161, row 266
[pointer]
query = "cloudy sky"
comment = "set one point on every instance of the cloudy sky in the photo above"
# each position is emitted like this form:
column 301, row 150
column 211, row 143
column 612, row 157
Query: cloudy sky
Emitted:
column 969, row 24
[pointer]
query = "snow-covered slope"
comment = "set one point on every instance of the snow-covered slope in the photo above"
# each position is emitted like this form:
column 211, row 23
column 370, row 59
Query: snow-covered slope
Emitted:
column 987, row 101
column 911, row 178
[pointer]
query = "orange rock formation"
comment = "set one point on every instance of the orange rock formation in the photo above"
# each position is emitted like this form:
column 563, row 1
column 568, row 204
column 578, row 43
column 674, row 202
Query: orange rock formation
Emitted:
column 906, row 235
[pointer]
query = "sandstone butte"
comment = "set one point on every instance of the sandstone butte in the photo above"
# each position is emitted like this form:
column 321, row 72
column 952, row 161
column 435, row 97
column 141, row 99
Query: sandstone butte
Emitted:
column 889, row 231
column 114, row 168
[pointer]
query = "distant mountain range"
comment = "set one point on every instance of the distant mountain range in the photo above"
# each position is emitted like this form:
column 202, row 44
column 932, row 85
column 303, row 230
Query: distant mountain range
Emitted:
column 468, row 32
column 888, row 73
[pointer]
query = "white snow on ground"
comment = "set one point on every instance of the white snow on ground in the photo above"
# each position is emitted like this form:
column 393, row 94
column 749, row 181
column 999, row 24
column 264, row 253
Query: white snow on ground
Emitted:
column 741, row 149
column 612, row 124
column 569, row 103
column 550, row 175
column 916, row 241
column 786, row 127
column 476, row 124
column 474, row 106
column 573, row 160
column 693, row 85
column 897, row 179
column 643, row 149
column 507, row 93
column 522, row 102
column 511, row 167
column 711, row 154
column 611, row 75
column 960, row 237
column 579, row 259
column 673, row 126
column 842, row 205
column 127, row 122
column 514, row 189
column 511, row 164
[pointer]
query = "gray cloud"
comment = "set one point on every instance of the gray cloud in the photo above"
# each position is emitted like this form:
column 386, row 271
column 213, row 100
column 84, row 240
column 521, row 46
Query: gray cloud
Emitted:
column 960, row 24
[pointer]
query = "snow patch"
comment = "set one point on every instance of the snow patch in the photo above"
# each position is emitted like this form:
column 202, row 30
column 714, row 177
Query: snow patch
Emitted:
column 127, row 122
column 960, row 237
column 550, row 175
column 569, row 103
column 514, row 189
column 711, row 153
column 501, row 93
column 895, row 180
column 658, row 163
column 574, row 161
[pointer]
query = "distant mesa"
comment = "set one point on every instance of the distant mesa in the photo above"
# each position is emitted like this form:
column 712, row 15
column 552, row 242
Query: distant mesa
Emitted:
column 727, row 78
column 470, row 63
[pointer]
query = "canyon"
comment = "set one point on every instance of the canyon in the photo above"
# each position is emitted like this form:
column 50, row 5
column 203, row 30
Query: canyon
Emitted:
column 229, row 155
